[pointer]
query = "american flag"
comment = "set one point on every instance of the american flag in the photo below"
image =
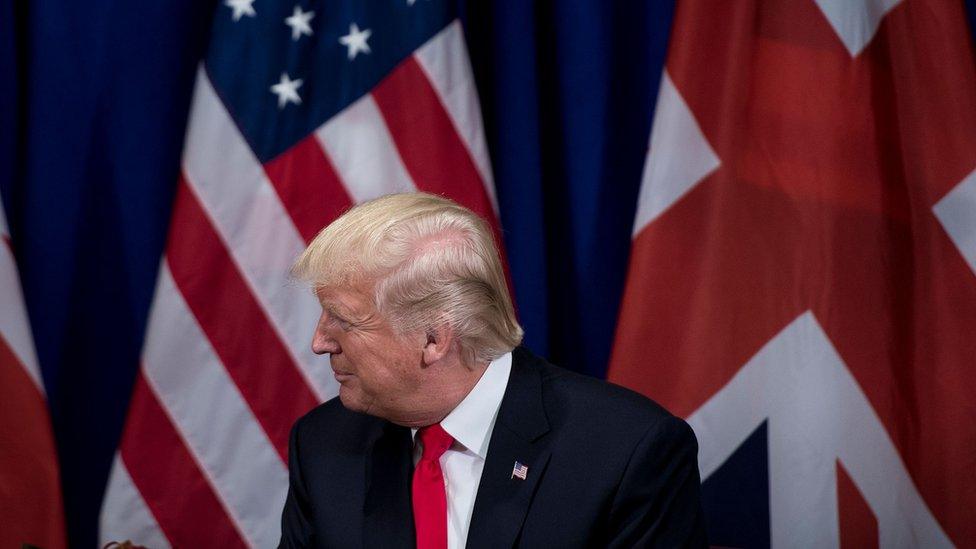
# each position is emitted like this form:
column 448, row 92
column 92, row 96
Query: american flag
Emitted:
column 803, row 269
column 300, row 110
column 30, row 492
column 520, row 470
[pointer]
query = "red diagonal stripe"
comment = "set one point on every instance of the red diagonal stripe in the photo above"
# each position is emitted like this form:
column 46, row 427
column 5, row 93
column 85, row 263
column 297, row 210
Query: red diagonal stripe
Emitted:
column 308, row 186
column 858, row 525
column 689, row 316
column 234, row 322
column 432, row 151
column 170, row 480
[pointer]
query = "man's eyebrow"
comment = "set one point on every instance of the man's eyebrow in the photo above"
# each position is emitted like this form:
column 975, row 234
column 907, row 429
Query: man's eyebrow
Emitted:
column 336, row 310
column 344, row 313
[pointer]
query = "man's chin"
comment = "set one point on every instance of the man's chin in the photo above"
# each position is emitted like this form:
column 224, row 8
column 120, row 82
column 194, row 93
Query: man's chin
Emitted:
column 352, row 400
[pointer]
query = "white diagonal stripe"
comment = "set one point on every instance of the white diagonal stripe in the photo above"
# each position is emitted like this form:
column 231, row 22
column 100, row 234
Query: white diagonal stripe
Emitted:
column 817, row 415
column 678, row 159
column 259, row 234
column 362, row 150
column 444, row 58
column 855, row 21
column 957, row 213
column 125, row 515
column 211, row 415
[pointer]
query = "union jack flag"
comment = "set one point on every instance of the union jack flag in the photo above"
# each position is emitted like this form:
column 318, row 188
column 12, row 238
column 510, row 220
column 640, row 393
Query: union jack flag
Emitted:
column 803, row 269
column 300, row 110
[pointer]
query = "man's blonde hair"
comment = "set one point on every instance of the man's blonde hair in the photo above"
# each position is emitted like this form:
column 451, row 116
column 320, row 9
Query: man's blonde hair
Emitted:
column 432, row 260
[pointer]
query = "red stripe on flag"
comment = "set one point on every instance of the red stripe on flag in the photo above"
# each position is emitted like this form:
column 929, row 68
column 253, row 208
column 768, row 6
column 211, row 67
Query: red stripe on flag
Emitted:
column 432, row 151
column 170, row 480
column 234, row 322
column 308, row 186
column 858, row 525
column 30, row 494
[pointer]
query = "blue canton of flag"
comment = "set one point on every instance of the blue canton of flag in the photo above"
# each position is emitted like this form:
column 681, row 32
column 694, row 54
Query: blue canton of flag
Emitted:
column 321, row 56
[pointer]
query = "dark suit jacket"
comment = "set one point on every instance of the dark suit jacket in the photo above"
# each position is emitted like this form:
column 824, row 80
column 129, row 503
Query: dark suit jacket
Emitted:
column 606, row 468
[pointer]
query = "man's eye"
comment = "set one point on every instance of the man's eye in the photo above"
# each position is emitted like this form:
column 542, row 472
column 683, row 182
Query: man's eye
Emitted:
column 337, row 320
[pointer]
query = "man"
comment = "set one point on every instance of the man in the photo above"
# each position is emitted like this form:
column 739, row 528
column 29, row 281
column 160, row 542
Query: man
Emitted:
column 445, row 432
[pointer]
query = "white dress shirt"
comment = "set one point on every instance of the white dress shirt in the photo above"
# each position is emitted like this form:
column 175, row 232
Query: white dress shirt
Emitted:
column 471, row 424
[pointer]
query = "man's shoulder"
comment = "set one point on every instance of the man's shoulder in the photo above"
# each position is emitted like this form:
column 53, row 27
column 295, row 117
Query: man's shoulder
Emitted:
column 582, row 402
column 332, row 424
column 587, row 392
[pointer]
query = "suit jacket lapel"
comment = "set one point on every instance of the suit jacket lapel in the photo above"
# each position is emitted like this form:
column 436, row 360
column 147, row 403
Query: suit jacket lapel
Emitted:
column 503, row 500
column 387, row 510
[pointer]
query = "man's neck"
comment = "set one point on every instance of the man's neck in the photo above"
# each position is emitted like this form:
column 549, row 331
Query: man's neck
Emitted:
column 444, row 395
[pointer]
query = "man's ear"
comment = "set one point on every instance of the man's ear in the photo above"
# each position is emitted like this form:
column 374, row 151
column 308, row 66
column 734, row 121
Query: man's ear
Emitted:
column 440, row 337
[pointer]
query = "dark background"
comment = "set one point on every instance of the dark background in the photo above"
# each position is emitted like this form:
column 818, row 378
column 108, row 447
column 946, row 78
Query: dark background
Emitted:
column 93, row 104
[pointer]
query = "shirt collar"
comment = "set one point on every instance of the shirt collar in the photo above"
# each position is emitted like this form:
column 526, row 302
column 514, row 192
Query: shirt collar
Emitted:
column 471, row 422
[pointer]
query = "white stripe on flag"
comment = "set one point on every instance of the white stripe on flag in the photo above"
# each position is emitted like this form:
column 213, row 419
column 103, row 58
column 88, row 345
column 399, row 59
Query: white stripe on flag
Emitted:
column 125, row 515
column 957, row 213
column 444, row 59
column 679, row 157
column 211, row 415
column 14, row 326
column 249, row 216
column 816, row 415
column 363, row 153
column 855, row 21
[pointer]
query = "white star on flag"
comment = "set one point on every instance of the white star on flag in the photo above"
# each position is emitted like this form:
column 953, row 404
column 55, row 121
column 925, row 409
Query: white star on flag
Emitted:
column 356, row 40
column 287, row 91
column 241, row 8
column 298, row 21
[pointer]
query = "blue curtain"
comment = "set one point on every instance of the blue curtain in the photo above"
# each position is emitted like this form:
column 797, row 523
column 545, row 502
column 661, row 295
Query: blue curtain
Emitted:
column 568, row 91
column 96, row 94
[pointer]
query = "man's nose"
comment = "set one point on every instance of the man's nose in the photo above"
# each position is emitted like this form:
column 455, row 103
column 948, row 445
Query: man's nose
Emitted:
column 323, row 343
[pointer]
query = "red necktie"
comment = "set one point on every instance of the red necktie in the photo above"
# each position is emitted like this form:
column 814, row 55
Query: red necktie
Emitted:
column 429, row 498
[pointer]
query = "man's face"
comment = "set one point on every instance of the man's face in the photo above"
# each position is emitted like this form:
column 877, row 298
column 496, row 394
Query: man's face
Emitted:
column 379, row 371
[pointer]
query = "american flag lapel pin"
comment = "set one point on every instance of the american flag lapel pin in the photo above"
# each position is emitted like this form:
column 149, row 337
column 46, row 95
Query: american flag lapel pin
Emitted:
column 520, row 470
